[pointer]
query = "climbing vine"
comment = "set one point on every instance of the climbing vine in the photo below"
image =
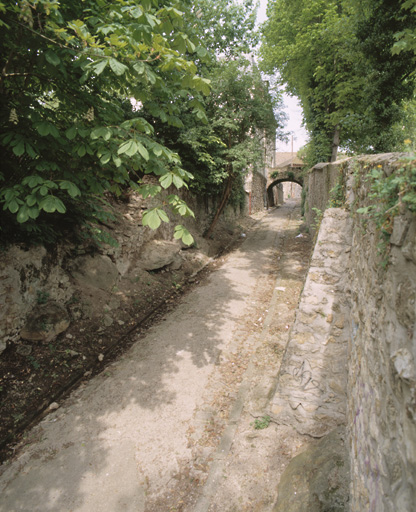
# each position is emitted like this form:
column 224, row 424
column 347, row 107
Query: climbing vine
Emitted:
column 389, row 196
column 337, row 193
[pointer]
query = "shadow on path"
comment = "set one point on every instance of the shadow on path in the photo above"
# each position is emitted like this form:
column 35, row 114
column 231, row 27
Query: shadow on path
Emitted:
column 125, row 431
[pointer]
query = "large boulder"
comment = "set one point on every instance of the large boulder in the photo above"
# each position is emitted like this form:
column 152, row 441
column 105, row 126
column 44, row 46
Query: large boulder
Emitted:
column 317, row 480
column 45, row 322
column 97, row 271
column 159, row 253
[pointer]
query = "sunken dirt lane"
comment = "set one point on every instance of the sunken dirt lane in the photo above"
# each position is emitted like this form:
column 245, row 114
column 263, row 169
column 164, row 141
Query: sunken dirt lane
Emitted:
column 170, row 425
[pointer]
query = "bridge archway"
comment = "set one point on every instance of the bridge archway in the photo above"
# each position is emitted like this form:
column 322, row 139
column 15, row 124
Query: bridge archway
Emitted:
column 281, row 176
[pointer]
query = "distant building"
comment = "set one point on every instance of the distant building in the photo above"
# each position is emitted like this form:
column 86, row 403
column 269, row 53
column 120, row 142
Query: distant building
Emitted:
column 286, row 159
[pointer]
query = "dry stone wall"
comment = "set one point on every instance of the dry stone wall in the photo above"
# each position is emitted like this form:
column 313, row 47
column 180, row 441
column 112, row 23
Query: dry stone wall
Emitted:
column 381, row 390
column 318, row 184
column 382, row 371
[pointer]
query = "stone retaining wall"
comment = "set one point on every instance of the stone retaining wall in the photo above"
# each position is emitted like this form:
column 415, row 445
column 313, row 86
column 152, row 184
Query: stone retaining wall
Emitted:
column 318, row 184
column 255, row 188
column 381, row 387
column 275, row 195
column 382, row 372
column 311, row 391
column 258, row 192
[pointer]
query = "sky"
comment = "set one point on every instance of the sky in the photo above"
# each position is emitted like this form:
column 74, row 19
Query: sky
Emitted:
column 292, row 107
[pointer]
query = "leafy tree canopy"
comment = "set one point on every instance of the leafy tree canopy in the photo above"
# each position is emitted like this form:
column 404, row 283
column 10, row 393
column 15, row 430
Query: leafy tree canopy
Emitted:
column 96, row 94
column 69, row 133
column 336, row 56
column 406, row 37
column 226, row 27
column 242, row 110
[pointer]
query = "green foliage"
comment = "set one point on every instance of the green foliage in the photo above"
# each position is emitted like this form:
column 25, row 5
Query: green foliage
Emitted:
column 389, row 196
column 309, row 43
column 154, row 217
column 406, row 128
column 241, row 112
column 405, row 38
column 69, row 132
column 35, row 364
column 318, row 215
column 42, row 297
column 262, row 423
column 311, row 154
column 337, row 194
column 184, row 235
column 303, row 203
column 389, row 74
column 338, row 57
column 227, row 28
column 95, row 95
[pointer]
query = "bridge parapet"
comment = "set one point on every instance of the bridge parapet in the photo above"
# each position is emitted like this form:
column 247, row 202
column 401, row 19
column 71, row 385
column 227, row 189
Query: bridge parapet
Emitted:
column 278, row 175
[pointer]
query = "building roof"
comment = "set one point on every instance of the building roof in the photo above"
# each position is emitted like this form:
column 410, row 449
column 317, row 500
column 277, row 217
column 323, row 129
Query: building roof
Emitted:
column 285, row 158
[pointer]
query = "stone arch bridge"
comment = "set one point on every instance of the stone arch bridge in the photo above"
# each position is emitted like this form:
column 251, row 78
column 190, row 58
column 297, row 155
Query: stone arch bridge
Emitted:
column 281, row 175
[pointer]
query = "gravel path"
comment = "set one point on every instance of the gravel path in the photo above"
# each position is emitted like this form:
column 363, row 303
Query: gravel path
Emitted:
column 169, row 426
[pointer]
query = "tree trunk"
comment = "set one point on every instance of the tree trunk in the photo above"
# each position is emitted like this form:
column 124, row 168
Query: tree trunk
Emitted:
column 335, row 144
column 222, row 205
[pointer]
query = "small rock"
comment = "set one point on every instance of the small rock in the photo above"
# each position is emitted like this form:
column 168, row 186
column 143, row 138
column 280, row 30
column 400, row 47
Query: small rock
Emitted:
column 101, row 357
column 400, row 228
column 404, row 364
column 340, row 323
column 53, row 406
column 319, row 477
column 73, row 353
column 24, row 350
column 45, row 322
column 120, row 322
column 88, row 373
column 107, row 320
